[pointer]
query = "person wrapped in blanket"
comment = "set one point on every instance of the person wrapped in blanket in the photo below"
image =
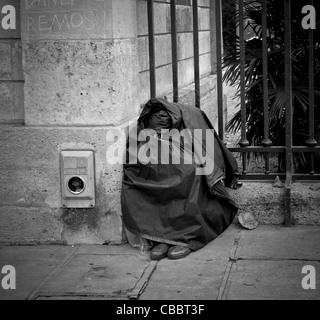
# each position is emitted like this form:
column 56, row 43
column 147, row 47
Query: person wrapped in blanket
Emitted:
column 167, row 205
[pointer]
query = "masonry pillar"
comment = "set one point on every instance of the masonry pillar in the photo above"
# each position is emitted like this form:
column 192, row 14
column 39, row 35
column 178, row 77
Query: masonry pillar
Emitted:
column 81, row 79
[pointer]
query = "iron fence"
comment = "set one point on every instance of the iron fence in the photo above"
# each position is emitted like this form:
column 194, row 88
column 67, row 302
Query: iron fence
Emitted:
column 267, row 148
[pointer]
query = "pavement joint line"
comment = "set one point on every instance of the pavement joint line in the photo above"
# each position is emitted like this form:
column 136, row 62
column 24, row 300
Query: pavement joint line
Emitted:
column 52, row 274
column 143, row 281
column 274, row 259
column 106, row 254
column 78, row 295
column 232, row 257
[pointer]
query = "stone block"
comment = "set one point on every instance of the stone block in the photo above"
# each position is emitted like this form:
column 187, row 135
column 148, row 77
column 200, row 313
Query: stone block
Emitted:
column 162, row 18
column 204, row 42
column 305, row 203
column 163, row 52
column 144, row 92
column 186, row 72
column 124, row 21
column 209, row 99
column 142, row 17
column 68, row 19
column 30, row 170
column 266, row 202
column 162, row 22
column 185, row 45
column 143, row 53
column 35, row 226
column 204, row 19
column 164, row 83
column 5, row 61
column 6, row 103
column 204, row 3
column 205, row 64
column 11, row 102
column 184, row 19
column 16, row 54
column 80, row 82
column 164, row 80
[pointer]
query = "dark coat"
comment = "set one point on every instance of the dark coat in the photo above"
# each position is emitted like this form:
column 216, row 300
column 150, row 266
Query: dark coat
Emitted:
column 169, row 203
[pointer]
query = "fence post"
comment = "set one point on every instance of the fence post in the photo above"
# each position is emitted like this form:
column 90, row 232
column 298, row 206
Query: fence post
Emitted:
column 266, row 142
column 244, row 141
column 196, row 53
column 311, row 142
column 174, row 43
column 289, row 111
column 219, row 42
column 152, row 59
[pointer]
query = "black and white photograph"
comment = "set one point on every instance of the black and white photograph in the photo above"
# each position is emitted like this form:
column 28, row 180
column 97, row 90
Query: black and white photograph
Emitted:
column 160, row 155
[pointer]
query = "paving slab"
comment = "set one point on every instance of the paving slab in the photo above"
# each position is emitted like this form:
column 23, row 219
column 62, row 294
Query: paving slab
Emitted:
column 280, row 243
column 185, row 280
column 33, row 265
column 110, row 250
column 198, row 277
column 97, row 275
column 270, row 280
column 220, row 248
column 77, row 298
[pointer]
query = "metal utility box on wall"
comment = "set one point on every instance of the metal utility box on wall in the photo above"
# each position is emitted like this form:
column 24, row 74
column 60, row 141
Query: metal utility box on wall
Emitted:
column 77, row 177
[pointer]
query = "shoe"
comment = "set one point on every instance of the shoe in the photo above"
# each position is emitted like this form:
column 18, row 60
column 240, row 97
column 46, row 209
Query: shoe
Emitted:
column 178, row 252
column 159, row 252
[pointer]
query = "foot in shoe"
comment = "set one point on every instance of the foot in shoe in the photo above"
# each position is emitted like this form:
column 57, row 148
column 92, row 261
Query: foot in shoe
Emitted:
column 178, row 252
column 159, row 252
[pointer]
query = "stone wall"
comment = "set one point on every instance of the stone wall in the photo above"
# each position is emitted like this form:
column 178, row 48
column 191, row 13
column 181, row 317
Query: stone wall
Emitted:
column 80, row 68
column 76, row 70
column 11, row 75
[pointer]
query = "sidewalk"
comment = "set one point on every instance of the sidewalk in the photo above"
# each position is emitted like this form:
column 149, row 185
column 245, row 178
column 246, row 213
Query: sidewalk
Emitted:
column 262, row 264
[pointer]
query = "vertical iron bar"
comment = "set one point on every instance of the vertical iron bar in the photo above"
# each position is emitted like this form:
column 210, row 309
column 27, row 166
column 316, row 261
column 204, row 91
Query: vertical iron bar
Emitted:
column 267, row 161
column 289, row 111
column 153, row 91
column 311, row 142
column 244, row 163
column 219, row 41
column 174, row 43
column 311, row 87
column 266, row 142
column 312, row 158
column 244, row 142
column 196, row 53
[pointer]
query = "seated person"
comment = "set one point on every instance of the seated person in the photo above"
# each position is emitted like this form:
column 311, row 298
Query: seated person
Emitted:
column 170, row 206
